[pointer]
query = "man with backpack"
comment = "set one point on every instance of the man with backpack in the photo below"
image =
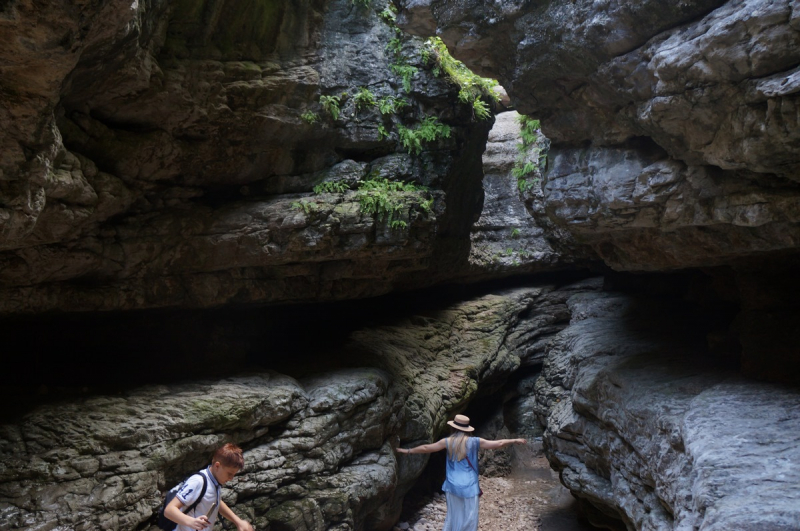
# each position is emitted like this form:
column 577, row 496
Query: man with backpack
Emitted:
column 197, row 501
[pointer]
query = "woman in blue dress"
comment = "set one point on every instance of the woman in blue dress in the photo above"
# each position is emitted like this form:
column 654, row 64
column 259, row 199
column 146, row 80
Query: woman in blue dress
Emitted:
column 461, row 486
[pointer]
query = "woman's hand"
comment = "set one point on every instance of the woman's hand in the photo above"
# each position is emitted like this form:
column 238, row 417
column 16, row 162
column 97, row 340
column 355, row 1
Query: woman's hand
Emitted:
column 401, row 450
column 521, row 441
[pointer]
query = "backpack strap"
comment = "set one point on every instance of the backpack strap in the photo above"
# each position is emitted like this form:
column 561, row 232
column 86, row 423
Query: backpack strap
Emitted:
column 202, row 493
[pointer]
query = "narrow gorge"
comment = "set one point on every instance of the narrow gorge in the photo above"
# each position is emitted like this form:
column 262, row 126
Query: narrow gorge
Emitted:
column 308, row 228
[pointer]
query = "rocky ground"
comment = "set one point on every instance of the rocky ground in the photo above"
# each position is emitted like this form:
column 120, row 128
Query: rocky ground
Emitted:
column 530, row 498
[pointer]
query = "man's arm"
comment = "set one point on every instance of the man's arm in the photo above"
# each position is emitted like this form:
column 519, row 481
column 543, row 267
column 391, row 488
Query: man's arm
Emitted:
column 240, row 524
column 500, row 443
column 173, row 512
column 424, row 448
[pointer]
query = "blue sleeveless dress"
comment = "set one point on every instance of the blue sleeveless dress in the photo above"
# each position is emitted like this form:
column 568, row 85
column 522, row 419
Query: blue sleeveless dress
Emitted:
column 461, row 490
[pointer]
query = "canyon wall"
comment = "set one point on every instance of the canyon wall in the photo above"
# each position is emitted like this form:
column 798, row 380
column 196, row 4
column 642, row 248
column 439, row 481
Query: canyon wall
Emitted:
column 674, row 145
column 318, row 447
column 163, row 154
column 673, row 127
column 647, row 416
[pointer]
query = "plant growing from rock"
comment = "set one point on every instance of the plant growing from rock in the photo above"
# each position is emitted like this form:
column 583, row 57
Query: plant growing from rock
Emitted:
column 529, row 156
column 481, row 110
column 331, row 187
column 306, row 206
column 310, row 117
column 377, row 196
column 389, row 15
column 429, row 130
column 332, row 105
column 391, row 104
column 385, row 199
column 361, row 3
column 364, row 98
column 394, row 46
column 405, row 72
column 472, row 88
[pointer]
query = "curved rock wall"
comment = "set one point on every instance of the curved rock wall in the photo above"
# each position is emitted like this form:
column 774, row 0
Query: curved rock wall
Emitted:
column 646, row 428
column 156, row 154
column 514, row 234
column 674, row 126
column 318, row 447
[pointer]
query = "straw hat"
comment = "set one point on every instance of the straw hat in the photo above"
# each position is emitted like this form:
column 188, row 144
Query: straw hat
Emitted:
column 461, row 422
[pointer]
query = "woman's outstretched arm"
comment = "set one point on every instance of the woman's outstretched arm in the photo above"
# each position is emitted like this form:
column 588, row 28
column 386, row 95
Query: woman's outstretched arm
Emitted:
column 500, row 443
column 424, row 448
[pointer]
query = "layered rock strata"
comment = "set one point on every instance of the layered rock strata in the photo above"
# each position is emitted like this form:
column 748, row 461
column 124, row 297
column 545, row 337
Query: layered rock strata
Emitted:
column 318, row 448
column 674, row 127
column 514, row 233
column 159, row 155
column 649, row 432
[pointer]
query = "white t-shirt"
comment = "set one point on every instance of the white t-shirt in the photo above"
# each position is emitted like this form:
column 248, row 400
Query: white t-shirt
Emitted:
column 192, row 488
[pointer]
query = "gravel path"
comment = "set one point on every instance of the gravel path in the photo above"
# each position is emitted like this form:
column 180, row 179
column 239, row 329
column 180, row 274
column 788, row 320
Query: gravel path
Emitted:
column 531, row 499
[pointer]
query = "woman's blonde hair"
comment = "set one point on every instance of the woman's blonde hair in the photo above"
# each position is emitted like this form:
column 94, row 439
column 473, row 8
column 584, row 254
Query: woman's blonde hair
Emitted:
column 457, row 446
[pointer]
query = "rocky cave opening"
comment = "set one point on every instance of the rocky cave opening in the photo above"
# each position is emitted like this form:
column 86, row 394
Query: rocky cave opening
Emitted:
column 684, row 318
column 309, row 228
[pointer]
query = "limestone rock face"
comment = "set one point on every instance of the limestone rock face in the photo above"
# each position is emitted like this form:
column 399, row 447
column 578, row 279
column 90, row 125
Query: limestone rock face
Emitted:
column 640, row 209
column 157, row 156
column 318, row 449
column 103, row 463
column 674, row 126
column 647, row 430
column 514, row 233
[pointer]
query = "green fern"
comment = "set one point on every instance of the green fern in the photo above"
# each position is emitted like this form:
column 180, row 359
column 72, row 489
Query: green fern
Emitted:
column 331, row 187
column 405, row 73
column 310, row 117
column 389, row 15
column 526, row 150
column 386, row 199
column 390, row 104
column 481, row 110
column 364, row 98
column 471, row 87
column 394, row 46
column 306, row 206
column 427, row 205
column 429, row 130
column 331, row 104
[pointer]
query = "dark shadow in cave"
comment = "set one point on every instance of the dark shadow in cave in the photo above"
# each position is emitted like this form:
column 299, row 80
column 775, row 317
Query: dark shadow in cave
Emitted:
column 62, row 356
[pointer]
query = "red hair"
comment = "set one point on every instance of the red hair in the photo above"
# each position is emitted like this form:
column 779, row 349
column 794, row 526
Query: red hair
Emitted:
column 229, row 455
